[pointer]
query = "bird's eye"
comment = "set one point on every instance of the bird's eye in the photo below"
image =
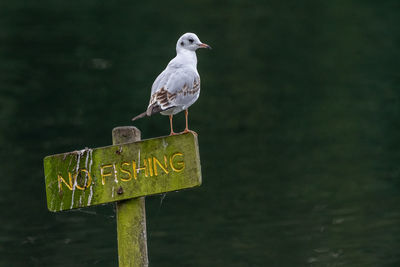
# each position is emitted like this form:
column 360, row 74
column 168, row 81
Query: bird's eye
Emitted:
column 191, row 41
column 182, row 43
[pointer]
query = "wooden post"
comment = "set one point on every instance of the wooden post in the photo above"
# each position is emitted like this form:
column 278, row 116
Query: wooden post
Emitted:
column 131, row 215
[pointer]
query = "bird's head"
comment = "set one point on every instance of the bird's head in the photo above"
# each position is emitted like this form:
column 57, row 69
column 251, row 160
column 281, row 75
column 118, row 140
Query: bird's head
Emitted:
column 190, row 41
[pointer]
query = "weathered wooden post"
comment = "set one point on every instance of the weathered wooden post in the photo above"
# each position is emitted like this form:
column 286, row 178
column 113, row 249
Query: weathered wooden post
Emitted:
column 125, row 173
column 131, row 214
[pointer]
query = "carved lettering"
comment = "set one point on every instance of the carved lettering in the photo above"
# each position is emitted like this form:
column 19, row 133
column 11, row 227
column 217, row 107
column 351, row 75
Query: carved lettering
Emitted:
column 152, row 167
column 126, row 171
column 73, row 180
column 157, row 162
column 62, row 180
column 180, row 165
column 104, row 175
column 87, row 182
column 137, row 170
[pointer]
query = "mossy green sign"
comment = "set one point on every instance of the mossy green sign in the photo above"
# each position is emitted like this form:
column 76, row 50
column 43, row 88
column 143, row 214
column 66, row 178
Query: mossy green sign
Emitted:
column 96, row 176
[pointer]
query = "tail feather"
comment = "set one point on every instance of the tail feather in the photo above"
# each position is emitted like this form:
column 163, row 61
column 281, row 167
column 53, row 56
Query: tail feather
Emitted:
column 153, row 109
column 141, row 115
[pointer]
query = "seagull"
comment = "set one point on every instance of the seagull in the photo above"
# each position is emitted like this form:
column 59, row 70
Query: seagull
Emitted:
column 178, row 86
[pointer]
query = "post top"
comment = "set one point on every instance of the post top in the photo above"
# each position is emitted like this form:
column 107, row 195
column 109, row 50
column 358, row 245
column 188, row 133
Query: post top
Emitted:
column 126, row 128
column 125, row 134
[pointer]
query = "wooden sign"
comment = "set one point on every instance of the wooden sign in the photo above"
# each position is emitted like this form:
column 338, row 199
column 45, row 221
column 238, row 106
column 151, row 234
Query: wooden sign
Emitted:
column 96, row 176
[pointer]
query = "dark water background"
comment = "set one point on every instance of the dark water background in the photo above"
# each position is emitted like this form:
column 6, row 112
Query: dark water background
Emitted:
column 298, row 122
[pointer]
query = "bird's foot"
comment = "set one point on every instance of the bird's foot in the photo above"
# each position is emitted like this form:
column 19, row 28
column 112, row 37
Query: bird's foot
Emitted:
column 189, row 131
column 173, row 133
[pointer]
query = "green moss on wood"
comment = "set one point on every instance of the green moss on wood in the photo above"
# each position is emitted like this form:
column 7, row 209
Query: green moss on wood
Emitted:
column 63, row 193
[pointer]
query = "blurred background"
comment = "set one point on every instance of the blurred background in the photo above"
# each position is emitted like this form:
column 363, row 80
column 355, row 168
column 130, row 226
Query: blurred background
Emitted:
column 298, row 124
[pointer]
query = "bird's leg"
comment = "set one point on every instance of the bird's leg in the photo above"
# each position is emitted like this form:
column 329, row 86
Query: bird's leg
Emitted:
column 186, row 117
column 187, row 124
column 170, row 123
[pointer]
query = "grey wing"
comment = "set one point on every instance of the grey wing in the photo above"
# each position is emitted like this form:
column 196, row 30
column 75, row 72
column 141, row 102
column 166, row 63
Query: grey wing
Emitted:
column 186, row 87
column 174, row 88
column 159, row 81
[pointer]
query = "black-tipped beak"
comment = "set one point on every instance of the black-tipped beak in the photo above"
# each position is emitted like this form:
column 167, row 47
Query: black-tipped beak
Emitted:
column 205, row 46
